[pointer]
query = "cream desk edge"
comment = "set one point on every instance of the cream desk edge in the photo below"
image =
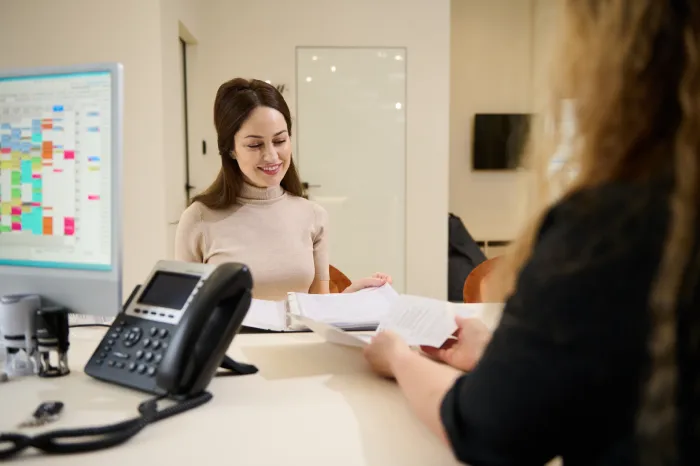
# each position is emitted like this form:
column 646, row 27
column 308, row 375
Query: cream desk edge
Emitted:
column 311, row 403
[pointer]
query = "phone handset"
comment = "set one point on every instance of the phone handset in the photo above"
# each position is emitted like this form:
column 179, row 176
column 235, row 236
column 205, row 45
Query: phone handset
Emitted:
column 218, row 300
column 198, row 346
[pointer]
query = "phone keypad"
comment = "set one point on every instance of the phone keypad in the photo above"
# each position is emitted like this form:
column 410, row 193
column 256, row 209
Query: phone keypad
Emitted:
column 133, row 349
column 132, row 336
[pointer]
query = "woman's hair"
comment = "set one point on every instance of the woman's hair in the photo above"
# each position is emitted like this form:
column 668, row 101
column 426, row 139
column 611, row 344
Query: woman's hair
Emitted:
column 632, row 69
column 235, row 100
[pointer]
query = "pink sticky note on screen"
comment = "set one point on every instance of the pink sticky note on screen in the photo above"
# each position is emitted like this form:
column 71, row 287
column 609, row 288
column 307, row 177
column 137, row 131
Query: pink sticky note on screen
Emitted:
column 68, row 226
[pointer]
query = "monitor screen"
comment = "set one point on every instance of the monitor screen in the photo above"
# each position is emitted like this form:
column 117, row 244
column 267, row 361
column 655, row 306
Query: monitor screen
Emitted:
column 55, row 162
column 499, row 140
column 169, row 290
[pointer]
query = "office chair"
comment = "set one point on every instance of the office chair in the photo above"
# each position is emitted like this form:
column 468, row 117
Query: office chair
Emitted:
column 473, row 285
column 339, row 281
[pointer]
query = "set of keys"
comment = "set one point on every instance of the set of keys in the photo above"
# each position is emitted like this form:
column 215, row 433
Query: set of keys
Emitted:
column 46, row 413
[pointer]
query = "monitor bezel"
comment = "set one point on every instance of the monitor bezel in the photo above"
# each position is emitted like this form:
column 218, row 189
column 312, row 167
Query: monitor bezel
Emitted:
column 14, row 279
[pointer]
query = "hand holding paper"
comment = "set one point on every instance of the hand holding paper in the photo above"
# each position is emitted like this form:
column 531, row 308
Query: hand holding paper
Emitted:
column 384, row 351
column 417, row 321
column 464, row 351
column 420, row 321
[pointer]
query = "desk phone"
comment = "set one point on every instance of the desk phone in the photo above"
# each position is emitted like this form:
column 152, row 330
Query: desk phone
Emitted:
column 173, row 332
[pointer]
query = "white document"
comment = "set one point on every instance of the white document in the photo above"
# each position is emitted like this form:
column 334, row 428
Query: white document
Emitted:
column 333, row 334
column 83, row 319
column 362, row 308
column 266, row 315
column 488, row 313
column 420, row 321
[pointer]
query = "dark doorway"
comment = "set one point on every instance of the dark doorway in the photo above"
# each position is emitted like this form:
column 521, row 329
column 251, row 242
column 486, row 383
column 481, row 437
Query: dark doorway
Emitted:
column 183, row 56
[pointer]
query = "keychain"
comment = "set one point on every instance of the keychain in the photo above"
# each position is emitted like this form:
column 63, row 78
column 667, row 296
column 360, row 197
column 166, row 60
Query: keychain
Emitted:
column 47, row 412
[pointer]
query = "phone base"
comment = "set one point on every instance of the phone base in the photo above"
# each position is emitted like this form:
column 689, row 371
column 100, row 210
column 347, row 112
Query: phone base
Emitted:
column 233, row 367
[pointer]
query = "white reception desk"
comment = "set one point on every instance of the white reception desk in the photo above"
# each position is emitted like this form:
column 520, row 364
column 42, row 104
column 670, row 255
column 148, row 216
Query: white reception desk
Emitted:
column 312, row 403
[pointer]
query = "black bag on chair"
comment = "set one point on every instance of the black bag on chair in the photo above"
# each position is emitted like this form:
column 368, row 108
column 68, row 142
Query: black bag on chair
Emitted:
column 463, row 256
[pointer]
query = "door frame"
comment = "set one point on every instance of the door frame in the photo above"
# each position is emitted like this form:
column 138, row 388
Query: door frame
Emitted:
column 184, row 46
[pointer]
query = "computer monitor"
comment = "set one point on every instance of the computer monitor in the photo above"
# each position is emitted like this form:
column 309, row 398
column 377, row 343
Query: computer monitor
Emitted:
column 60, row 186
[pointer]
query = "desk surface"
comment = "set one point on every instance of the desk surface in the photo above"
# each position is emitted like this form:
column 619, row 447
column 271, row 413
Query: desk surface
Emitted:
column 311, row 403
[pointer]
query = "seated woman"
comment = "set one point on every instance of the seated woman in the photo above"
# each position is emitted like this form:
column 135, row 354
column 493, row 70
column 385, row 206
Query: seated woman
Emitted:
column 254, row 212
column 597, row 356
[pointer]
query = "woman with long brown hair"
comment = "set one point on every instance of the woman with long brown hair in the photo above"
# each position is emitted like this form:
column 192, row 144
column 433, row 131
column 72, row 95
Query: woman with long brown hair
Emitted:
column 254, row 212
column 597, row 356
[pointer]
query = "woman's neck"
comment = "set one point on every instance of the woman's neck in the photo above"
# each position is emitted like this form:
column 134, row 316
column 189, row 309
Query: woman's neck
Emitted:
column 250, row 194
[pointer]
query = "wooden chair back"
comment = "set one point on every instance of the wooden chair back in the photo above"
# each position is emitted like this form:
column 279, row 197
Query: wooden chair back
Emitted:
column 338, row 281
column 474, row 283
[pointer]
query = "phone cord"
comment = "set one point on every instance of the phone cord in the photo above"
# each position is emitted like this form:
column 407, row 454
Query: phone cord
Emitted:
column 101, row 437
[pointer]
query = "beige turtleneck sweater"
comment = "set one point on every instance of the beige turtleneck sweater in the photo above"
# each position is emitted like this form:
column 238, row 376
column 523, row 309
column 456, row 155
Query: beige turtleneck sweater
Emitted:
column 281, row 238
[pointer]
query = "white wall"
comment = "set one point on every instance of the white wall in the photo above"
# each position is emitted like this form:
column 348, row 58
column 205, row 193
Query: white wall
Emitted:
column 500, row 62
column 546, row 29
column 259, row 41
column 49, row 33
column 179, row 18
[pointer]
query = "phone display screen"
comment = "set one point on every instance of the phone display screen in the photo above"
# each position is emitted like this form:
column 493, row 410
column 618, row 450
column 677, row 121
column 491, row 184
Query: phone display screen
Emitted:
column 169, row 290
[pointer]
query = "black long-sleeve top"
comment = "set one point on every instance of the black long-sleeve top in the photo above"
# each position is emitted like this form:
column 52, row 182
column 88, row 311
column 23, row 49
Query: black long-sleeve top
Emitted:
column 563, row 373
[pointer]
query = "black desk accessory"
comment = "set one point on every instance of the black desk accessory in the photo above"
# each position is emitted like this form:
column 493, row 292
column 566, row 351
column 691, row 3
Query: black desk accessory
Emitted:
column 185, row 317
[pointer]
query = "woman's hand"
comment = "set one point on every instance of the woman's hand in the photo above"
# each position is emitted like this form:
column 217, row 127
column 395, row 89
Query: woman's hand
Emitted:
column 376, row 280
column 464, row 351
column 383, row 351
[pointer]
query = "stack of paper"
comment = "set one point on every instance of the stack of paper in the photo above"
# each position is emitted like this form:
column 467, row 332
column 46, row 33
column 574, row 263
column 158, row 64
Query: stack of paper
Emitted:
column 419, row 321
column 333, row 334
column 351, row 311
column 84, row 319
column 267, row 315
